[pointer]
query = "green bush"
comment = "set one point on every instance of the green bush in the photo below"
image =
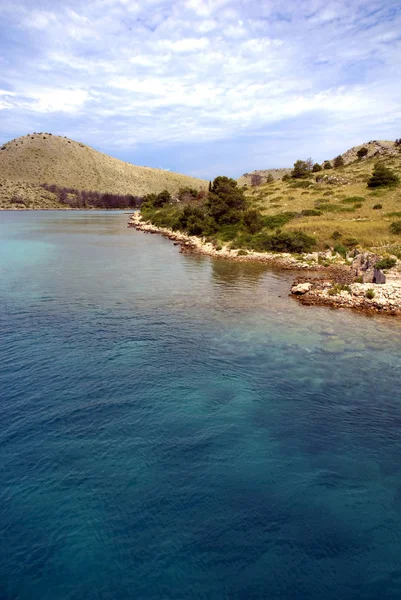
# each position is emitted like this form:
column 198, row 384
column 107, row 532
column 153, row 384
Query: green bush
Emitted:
column 387, row 262
column 310, row 212
column 337, row 288
column 277, row 221
column 316, row 168
column 352, row 200
column 370, row 294
column 301, row 184
column 242, row 253
column 395, row 228
column 289, row 241
column 377, row 207
column 383, row 176
column 327, row 165
column 340, row 249
column 253, row 220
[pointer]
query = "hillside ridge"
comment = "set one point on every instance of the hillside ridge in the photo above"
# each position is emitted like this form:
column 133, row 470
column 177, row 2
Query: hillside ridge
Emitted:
column 375, row 148
column 34, row 159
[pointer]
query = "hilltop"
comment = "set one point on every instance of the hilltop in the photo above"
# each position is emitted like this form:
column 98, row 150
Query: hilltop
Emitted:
column 43, row 158
column 375, row 148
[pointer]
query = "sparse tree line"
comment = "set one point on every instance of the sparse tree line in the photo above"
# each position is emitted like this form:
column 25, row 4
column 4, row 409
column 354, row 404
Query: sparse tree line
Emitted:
column 91, row 199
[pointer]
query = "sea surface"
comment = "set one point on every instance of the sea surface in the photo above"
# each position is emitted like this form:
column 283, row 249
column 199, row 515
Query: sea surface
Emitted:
column 177, row 427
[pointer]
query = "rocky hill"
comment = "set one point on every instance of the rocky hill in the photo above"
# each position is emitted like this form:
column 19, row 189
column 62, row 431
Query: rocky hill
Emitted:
column 376, row 148
column 34, row 159
column 246, row 178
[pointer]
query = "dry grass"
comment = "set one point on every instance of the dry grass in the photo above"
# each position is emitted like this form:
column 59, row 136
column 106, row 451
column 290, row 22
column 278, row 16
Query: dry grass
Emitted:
column 352, row 218
column 42, row 158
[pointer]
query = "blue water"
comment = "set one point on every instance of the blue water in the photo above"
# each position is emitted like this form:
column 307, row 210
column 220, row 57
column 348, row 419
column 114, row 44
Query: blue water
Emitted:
column 175, row 427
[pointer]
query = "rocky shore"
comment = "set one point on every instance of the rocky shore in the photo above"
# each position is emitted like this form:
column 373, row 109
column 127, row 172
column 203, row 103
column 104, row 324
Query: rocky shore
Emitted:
column 360, row 286
column 363, row 286
column 190, row 244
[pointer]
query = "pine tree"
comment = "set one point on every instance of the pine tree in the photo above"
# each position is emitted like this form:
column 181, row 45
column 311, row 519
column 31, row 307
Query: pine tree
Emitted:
column 382, row 176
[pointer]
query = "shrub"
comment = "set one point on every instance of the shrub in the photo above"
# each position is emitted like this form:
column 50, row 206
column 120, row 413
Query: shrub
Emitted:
column 338, row 162
column 377, row 207
column 336, row 235
column 387, row 262
column 397, row 142
column 301, row 184
column 242, row 253
column 269, row 178
column 286, row 177
column 327, row 165
column 301, row 169
column 362, row 152
column 352, row 200
column 310, row 212
column 289, row 241
column 253, row 220
column 395, row 228
column 382, row 176
column 340, row 249
column 337, row 288
column 277, row 221
column 370, row 294
column 316, row 168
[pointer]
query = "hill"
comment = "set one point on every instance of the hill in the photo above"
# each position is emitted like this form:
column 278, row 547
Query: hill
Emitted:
column 336, row 206
column 35, row 159
column 332, row 210
column 246, row 178
column 375, row 148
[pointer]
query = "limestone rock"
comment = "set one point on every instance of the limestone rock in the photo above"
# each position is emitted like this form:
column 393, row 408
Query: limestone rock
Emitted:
column 301, row 288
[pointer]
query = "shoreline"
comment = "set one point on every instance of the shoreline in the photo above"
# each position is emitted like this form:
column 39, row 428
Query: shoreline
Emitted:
column 192, row 243
column 331, row 286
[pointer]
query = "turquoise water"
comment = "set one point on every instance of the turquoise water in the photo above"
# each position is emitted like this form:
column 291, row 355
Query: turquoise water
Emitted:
column 177, row 427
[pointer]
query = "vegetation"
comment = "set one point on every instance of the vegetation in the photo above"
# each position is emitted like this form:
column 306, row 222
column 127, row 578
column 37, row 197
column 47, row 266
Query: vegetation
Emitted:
column 387, row 262
column 382, row 176
column 338, row 162
column 362, row 152
column 90, row 199
column 370, row 294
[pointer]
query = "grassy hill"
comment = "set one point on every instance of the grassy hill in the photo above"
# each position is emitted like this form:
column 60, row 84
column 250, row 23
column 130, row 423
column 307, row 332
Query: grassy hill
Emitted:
column 343, row 207
column 34, row 159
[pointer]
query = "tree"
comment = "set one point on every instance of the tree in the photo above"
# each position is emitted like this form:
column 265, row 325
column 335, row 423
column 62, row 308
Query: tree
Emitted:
column 362, row 152
column 253, row 220
column 256, row 180
column 382, row 176
column 226, row 202
column 338, row 162
column 301, row 169
column 316, row 168
column 327, row 165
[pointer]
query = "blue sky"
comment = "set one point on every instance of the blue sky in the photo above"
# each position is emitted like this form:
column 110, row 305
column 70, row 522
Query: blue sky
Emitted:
column 203, row 87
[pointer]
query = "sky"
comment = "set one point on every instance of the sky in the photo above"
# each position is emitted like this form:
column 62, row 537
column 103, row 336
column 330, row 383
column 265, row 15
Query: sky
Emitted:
column 203, row 87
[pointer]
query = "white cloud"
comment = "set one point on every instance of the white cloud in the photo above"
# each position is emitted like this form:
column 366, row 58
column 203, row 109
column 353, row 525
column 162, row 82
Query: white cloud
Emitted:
column 203, row 70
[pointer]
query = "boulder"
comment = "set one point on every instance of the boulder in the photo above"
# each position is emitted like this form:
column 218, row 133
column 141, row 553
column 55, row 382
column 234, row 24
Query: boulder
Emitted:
column 301, row 288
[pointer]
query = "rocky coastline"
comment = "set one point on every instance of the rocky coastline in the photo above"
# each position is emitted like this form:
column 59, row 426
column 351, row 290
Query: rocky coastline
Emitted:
column 359, row 286
column 194, row 244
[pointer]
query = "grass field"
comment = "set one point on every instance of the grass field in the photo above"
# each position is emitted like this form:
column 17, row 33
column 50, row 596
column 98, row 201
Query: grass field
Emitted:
column 347, row 212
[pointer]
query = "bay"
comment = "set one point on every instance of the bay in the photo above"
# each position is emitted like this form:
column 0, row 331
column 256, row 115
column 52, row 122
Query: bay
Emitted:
column 173, row 426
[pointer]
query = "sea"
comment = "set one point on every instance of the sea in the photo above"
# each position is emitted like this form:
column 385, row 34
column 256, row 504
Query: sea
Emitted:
column 174, row 426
